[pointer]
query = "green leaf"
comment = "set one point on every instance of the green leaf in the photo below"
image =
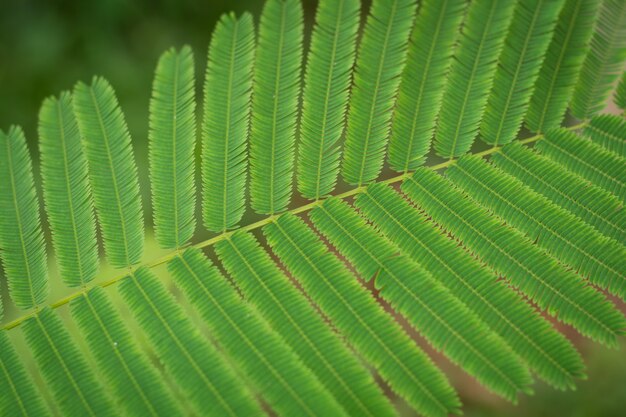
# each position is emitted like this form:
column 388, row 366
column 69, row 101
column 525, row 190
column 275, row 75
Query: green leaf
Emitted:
column 441, row 318
column 604, row 62
column 135, row 383
column 609, row 132
column 561, row 66
column 112, row 170
column 172, row 145
column 375, row 334
column 67, row 192
column 563, row 235
column 275, row 371
column 288, row 311
column 379, row 65
column 507, row 251
column 547, row 352
column 471, row 76
column 21, row 238
column 275, row 94
column 326, row 91
column 583, row 157
column 67, row 373
column 591, row 203
column 19, row 397
column 430, row 54
column 519, row 64
column 206, row 377
column 225, row 124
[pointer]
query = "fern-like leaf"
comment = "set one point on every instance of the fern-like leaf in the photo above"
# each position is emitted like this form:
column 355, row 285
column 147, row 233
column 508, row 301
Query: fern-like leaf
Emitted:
column 566, row 237
column 591, row 203
column 429, row 56
column 352, row 309
column 585, row 158
column 609, row 132
column 73, row 383
column 546, row 351
column 288, row 311
column 19, row 397
column 275, row 93
column 561, row 66
column 67, row 192
column 209, row 383
column 225, row 124
column 135, row 383
column 21, row 238
column 519, row 64
column 324, row 101
column 112, row 170
column 271, row 366
column 445, row 322
column 377, row 74
column 171, row 148
column 604, row 62
column 555, row 289
column 471, row 75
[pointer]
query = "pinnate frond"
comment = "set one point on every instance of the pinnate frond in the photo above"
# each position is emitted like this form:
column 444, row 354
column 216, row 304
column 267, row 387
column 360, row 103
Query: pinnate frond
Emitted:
column 135, row 383
column 271, row 366
column 275, row 95
column 471, row 75
column 67, row 192
column 209, row 382
column 172, row 143
column 326, row 90
column 604, row 62
column 379, row 65
column 554, row 288
column 67, row 374
column 518, row 66
column 561, row 65
column 547, row 352
column 608, row 131
column 112, row 170
column 19, row 397
column 288, row 311
column 445, row 321
column 225, row 123
column 566, row 237
column 22, row 245
column 591, row 203
column 583, row 157
column 380, row 340
column 430, row 54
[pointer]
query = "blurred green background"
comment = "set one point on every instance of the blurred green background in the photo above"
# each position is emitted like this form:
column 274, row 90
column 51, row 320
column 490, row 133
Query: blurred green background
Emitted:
column 46, row 46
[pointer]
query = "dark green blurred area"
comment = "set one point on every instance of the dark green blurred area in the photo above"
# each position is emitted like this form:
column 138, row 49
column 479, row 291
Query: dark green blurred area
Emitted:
column 46, row 46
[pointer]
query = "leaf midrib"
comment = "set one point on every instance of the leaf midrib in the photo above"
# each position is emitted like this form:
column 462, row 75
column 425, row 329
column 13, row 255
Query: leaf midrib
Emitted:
column 253, row 226
column 105, row 138
column 18, row 219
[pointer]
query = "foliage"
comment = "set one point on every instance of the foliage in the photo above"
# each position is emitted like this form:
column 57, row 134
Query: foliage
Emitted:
column 304, row 312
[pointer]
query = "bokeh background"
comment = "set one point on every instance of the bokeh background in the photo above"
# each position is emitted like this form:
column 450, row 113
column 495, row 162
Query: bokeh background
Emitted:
column 46, row 46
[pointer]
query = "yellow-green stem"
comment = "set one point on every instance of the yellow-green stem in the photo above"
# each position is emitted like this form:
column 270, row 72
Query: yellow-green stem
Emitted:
column 253, row 226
